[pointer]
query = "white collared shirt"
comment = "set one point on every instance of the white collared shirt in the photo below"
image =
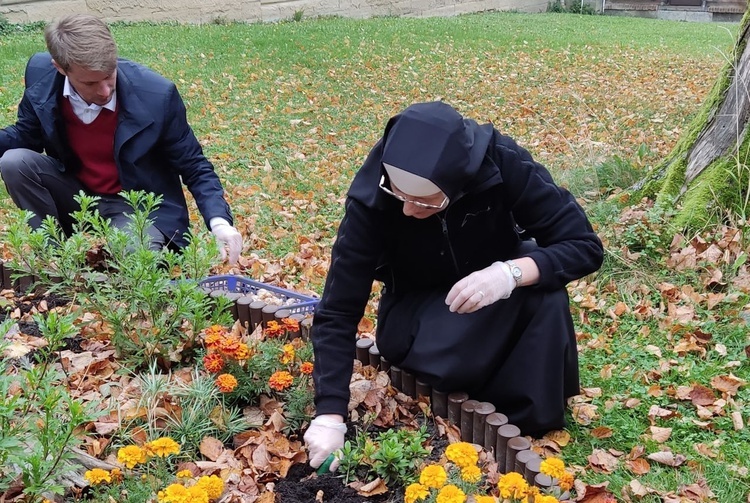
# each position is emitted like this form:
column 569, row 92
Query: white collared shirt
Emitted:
column 87, row 113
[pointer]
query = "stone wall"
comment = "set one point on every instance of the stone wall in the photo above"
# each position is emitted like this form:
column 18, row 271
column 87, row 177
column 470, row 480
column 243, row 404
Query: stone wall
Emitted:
column 208, row 11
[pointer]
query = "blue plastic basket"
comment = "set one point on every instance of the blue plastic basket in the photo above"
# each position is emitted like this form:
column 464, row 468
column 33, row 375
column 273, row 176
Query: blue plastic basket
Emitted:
column 239, row 284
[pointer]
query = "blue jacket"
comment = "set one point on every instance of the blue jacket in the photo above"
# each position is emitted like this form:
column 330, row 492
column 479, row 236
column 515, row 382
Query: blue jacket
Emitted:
column 155, row 148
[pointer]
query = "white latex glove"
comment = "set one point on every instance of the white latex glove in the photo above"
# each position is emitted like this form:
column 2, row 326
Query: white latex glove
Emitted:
column 228, row 237
column 481, row 288
column 325, row 436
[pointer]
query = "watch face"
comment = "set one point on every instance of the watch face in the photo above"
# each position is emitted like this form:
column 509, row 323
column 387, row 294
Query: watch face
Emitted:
column 516, row 272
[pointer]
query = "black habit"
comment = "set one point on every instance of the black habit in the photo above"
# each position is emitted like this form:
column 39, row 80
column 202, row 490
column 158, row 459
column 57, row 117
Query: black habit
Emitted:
column 518, row 353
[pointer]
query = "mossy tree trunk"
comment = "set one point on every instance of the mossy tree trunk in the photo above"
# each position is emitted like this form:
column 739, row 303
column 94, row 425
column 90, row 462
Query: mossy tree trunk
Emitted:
column 707, row 175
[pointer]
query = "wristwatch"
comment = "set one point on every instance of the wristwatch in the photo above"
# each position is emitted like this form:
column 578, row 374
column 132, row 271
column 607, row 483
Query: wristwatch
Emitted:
column 515, row 271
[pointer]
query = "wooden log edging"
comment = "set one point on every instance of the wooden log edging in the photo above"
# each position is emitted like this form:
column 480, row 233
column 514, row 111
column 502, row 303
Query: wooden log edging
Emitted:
column 22, row 284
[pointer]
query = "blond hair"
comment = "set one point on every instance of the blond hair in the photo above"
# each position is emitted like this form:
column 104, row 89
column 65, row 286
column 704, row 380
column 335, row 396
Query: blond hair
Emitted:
column 82, row 40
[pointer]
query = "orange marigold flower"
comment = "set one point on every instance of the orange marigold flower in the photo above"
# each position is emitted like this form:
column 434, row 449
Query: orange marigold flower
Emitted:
column 213, row 362
column 116, row 475
column 566, row 481
column 290, row 324
column 288, row 354
column 226, row 383
column 280, row 380
column 273, row 329
column 229, row 346
column 243, row 352
column 214, row 334
column 213, row 341
column 306, row 368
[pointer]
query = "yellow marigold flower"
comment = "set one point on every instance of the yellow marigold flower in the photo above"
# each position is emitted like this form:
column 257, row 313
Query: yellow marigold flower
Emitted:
column 162, row 447
column 484, row 499
column 545, row 498
column 184, row 474
column 226, row 383
column 97, row 476
column 566, row 481
column 415, row 492
column 213, row 362
column 290, row 324
column 306, row 368
column 280, row 380
column 273, row 329
column 554, row 467
column 288, row 354
column 131, row 455
column 463, row 454
column 451, row 494
column 512, row 485
column 177, row 493
column 433, row 476
column 243, row 352
column 471, row 474
column 213, row 485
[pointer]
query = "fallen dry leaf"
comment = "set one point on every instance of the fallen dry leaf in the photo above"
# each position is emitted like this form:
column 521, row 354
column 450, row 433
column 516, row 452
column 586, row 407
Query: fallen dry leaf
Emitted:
column 602, row 461
column 601, row 432
column 211, row 448
column 638, row 466
column 667, row 458
column 659, row 434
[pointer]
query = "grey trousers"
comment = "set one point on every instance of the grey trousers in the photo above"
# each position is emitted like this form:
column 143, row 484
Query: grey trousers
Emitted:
column 36, row 182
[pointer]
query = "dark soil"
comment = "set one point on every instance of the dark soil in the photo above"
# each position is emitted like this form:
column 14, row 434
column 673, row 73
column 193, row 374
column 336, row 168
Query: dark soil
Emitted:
column 302, row 485
column 25, row 304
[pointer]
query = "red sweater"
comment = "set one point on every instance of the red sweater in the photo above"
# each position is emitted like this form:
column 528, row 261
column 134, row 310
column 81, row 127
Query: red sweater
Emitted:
column 94, row 144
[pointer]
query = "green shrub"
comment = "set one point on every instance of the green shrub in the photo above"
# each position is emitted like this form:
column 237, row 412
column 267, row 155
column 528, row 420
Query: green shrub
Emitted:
column 148, row 298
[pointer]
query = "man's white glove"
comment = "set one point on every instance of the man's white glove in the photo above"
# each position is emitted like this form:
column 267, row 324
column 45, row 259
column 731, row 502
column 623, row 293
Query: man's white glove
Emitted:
column 325, row 436
column 228, row 237
column 481, row 288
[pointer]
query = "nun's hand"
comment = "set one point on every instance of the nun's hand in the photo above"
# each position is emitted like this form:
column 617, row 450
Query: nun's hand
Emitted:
column 481, row 288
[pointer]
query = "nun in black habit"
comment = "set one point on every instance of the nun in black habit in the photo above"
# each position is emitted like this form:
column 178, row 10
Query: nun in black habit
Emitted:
column 474, row 244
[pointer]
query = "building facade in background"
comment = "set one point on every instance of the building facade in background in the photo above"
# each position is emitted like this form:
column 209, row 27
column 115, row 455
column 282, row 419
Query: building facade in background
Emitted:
column 209, row 11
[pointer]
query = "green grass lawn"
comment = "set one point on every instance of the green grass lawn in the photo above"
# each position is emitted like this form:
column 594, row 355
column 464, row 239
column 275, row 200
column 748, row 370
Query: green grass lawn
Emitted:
column 288, row 111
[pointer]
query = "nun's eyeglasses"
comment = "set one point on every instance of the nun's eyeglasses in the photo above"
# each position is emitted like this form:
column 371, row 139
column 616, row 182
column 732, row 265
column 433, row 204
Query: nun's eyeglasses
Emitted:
column 420, row 204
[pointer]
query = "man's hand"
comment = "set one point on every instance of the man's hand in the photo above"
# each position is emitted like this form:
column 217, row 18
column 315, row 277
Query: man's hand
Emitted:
column 481, row 288
column 325, row 436
column 228, row 237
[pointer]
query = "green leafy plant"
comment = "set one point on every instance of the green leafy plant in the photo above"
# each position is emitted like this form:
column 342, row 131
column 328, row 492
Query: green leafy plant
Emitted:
column 393, row 455
column 38, row 417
